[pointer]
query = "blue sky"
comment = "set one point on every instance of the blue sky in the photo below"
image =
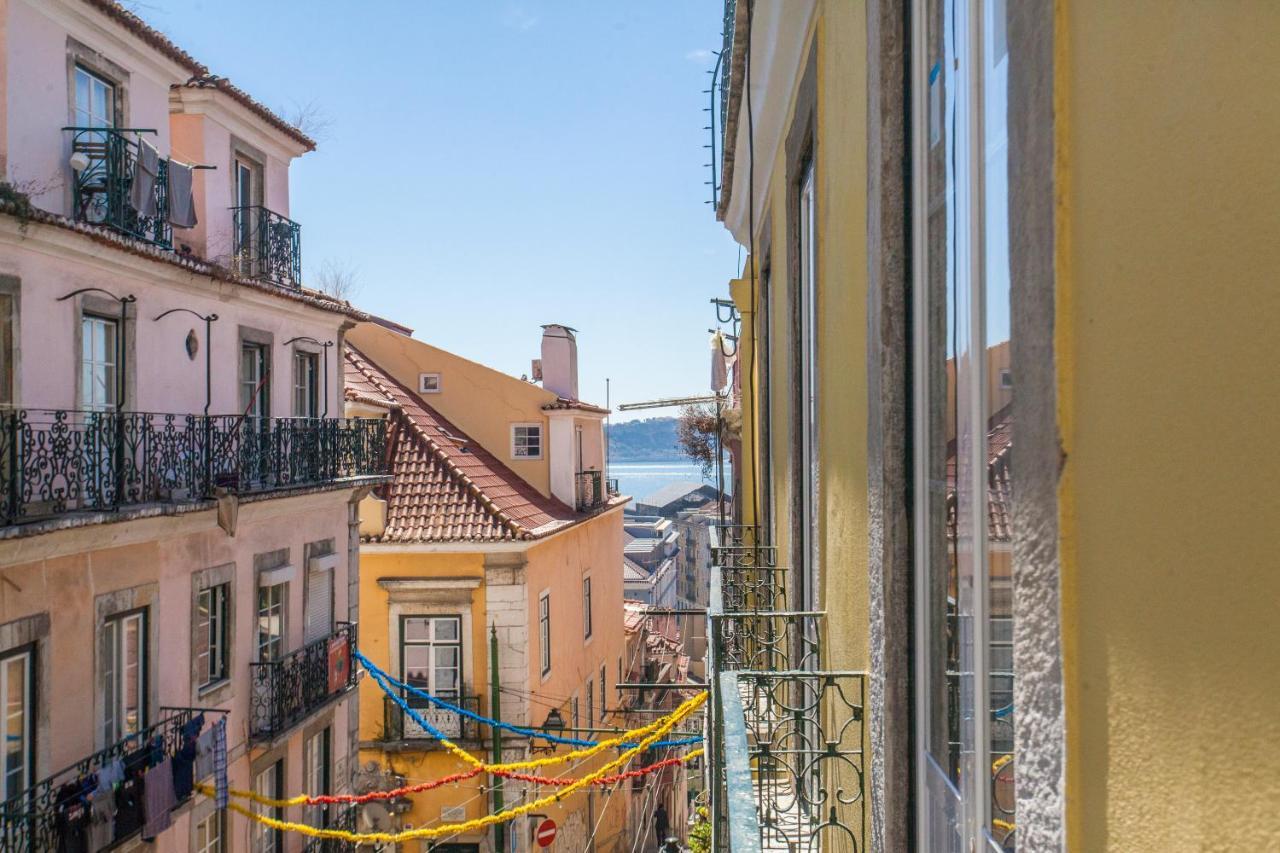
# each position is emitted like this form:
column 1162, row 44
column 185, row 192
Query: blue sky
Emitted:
column 493, row 166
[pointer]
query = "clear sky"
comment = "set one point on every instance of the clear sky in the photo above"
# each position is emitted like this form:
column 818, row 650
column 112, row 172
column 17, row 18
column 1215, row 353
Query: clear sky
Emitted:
column 493, row 166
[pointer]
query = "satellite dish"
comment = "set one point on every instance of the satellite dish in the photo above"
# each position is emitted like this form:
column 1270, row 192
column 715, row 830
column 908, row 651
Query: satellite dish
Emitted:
column 375, row 817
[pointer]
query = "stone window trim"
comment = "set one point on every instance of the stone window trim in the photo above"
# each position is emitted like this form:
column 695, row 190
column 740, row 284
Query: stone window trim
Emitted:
column 97, row 305
column 110, row 604
column 431, row 597
column 11, row 287
column 202, row 579
column 95, row 62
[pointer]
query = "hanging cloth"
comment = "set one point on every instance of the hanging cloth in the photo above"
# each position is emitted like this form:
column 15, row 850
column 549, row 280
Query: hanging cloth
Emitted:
column 220, row 762
column 142, row 190
column 182, row 202
column 719, row 364
column 158, row 799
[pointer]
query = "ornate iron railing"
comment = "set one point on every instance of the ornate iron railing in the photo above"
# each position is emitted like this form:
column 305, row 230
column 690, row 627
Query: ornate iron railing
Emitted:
column 611, row 487
column 786, row 738
column 60, row 461
column 34, row 819
column 399, row 726
column 101, row 192
column 589, row 487
column 343, row 819
column 267, row 246
column 287, row 691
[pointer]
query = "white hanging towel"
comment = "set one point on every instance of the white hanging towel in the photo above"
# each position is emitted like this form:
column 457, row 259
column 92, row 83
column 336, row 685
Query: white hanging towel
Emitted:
column 182, row 203
column 719, row 364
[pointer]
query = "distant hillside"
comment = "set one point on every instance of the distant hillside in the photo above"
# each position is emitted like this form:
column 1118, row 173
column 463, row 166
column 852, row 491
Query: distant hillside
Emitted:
column 649, row 440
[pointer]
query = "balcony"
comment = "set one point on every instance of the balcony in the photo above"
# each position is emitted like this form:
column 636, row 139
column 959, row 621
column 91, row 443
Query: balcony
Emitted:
column 399, row 727
column 34, row 818
column 786, row 751
column 592, row 490
column 57, row 462
column 340, row 818
column 101, row 191
column 287, row 691
column 268, row 246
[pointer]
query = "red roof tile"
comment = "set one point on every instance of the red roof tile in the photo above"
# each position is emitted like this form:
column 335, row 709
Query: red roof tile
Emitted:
column 445, row 486
column 999, row 492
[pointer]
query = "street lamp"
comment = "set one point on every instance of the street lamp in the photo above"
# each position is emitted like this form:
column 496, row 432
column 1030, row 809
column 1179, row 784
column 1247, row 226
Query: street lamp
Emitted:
column 553, row 725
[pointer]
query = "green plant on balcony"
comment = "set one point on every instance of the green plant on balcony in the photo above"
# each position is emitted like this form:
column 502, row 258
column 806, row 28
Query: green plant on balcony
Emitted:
column 700, row 832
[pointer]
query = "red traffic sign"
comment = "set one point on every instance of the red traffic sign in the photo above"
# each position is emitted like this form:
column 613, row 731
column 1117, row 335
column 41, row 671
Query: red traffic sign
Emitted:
column 545, row 833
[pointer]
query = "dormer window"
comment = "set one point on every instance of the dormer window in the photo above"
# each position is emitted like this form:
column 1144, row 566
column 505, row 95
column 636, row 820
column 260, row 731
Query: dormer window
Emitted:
column 526, row 441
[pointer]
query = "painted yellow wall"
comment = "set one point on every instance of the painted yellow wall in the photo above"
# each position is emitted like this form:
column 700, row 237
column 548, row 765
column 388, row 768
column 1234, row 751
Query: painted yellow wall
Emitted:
column 1167, row 317
column 481, row 401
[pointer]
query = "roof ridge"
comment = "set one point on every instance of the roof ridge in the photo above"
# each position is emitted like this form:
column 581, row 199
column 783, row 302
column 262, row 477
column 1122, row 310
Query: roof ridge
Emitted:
column 436, row 451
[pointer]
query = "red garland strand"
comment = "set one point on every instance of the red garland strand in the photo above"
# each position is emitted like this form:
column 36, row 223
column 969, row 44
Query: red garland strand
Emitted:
column 604, row 780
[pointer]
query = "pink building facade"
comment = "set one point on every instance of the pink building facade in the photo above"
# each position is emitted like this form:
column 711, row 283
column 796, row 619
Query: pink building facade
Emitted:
column 178, row 489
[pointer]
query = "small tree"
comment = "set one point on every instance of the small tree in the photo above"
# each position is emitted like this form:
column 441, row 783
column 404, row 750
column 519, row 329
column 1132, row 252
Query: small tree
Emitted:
column 697, row 433
column 338, row 279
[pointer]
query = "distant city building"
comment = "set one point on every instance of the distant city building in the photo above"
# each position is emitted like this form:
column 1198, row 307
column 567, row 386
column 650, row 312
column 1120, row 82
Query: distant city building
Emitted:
column 670, row 500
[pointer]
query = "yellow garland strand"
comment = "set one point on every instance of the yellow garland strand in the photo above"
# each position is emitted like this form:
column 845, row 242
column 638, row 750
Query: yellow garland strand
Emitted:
column 488, row 820
column 625, row 737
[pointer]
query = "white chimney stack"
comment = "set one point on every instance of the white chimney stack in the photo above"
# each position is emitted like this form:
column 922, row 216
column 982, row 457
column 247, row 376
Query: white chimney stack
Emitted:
column 560, row 361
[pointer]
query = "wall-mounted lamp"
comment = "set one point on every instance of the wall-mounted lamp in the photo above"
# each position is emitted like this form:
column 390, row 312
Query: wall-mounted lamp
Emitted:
column 553, row 725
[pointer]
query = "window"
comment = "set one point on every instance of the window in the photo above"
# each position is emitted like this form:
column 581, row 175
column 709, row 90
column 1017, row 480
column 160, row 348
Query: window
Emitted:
column 306, row 385
column 16, row 691
column 964, row 484
column 315, row 771
column 272, row 607
column 209, row 834
column 430, row 660
column 574, row 715
column 269, row 783
column 95, row 100
column 526, row 441
column 586, row 607
column 591, row 704
column 255, row 382
column 125, row 675
column 429, row 383
column 247, row 192
column 7, row 325
column 212, row 639
column 319, row 601
column 619, row 688
column 99, row 350
column 808, row 390
column 544, row 631
column 604, row 704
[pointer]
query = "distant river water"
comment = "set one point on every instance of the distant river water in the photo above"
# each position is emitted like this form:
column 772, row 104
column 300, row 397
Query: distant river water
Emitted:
column 641, row 479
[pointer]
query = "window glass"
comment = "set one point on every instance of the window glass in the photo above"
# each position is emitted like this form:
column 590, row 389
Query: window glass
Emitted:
column 7, row 322
column 210, row 637
column 306, row 394
column 268, row 783
column 16, row 692
column 431, row 661
column 124, row 664
column 586, row 607
column 98, row 354
column 603, row 699
column 526, row 441
column 315, row 771
column 272, row 601
column 209, row 834
column 95, row 100
column 255, row 384
column 544, row 631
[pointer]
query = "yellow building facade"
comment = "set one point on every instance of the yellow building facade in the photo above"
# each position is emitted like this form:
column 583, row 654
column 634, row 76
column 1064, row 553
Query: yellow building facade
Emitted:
column 1005, row 336
column 478, row 575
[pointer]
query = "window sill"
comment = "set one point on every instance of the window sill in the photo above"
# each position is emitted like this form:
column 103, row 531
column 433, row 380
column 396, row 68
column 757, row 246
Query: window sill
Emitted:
column 212, row 687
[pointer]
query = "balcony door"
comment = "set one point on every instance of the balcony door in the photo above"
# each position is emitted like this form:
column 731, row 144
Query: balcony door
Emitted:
column 431, row 661
column 247, row 187
column 95, row 100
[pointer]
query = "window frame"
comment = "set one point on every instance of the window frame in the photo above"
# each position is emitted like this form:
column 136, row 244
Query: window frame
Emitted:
column 109, row 365
column 8, row 343
column 112, row 88
column 26, row 656
column 306, row 384
column 519, row 448
column 604, row 686
column 586, row 607
column 258, row 406
column 317, row 773
column 115, row 626
column 212, row 844
column 218, row 640
column 262, row 838
column 282, row 605
column 423, row 380
column 544, row 632
column 807, row 389
column 411, row 730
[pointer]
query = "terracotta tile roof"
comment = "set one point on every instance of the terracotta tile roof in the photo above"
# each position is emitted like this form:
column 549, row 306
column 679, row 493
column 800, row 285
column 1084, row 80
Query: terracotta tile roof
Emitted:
column 566, row 403
column 200, row 75
column 445, row 486
column 999, row 491
column 27, row 215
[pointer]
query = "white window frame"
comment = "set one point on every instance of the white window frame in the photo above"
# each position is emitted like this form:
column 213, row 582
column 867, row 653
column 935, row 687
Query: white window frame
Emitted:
column 277, row 604
column 429, row 383
column 209, row 833
column 317, row 773
column 18, row 664
column 306, row 384
column 544, row 632
column 93, row 83
column 213, row 606
column 432, row 642
column 809, row 414
column 99, row 374
column 116, row 665
column 520, row 444
column 268, row 783
column 255, row 404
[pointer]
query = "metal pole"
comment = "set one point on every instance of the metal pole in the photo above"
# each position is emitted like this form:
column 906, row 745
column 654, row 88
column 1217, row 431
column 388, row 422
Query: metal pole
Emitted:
column 495, row 711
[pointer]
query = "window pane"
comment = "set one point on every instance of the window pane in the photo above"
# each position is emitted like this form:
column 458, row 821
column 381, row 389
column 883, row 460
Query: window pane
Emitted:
column 417, row 628
column 17, row 697
column 446, row 629
column 417, row 666
column 133, row 674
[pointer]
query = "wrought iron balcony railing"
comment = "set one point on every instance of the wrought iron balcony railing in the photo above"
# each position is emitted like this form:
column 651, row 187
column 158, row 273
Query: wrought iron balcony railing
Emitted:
column 589, row 487
column 343, row 819
column 399, row 726
column 36, row 819
column 101, row 192
column 786, row 745
column 60, row 461
column 267, row 246
column 287, row 691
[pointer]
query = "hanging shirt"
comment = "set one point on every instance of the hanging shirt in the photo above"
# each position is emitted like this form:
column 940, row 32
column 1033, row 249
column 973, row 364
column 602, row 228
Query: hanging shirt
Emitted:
column 102, row 817
column 159, row 799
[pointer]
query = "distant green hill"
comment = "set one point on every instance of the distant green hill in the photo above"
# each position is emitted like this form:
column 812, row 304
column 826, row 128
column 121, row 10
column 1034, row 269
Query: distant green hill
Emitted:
column 649, row 440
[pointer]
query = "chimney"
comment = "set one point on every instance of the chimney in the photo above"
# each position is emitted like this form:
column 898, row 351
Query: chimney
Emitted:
column 560, row 361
